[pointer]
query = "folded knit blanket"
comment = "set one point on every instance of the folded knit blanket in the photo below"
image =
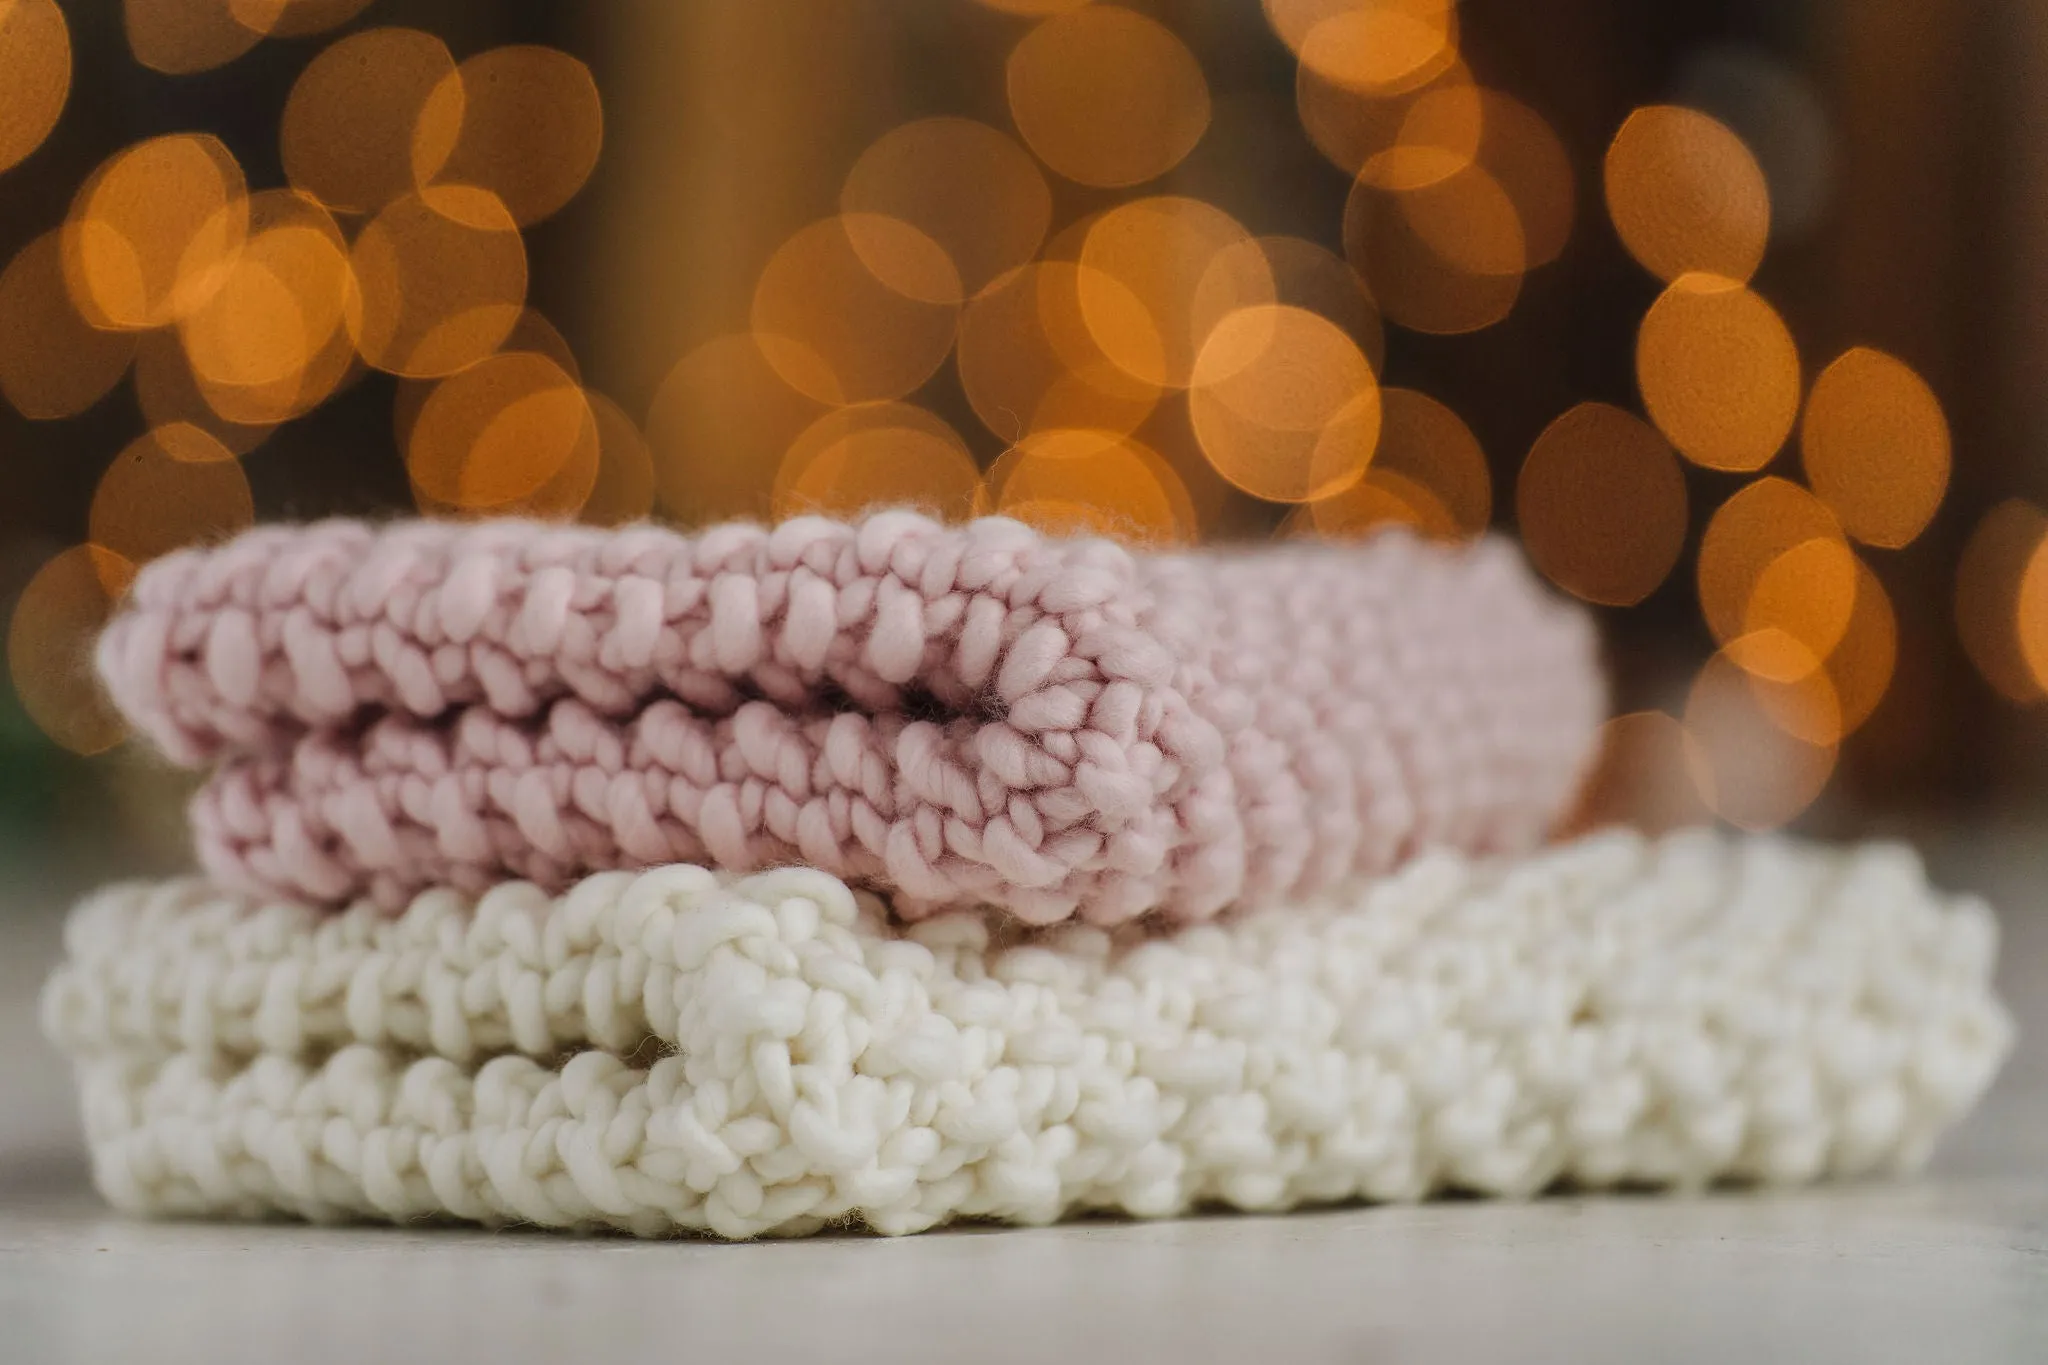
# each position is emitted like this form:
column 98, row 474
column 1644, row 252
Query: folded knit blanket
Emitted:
column 974, row 714
column 683, row 1050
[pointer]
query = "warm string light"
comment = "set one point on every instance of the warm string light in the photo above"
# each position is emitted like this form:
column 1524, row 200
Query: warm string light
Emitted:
column 1875, row 445
column 348, row 127
column 968, row 188
column 183, row 37
column 1808, row 639
column 1719, row 372
column 1428, row 458
column 875, row 453
column 1752, row 747
column 53, row 364
column 1996, row 561
column 49, row 643
column 35, row 52
column 1106, row 96
column 835, row 330
column 1028, row 362
column 1144, row 368
column 1097, row 482
column 1255, row 359
column 1284, row 404
column 1685, row 194
column 169, row 393
column 1642, row 777
column 396, row 247
column 1602, row 505
column 478, row 126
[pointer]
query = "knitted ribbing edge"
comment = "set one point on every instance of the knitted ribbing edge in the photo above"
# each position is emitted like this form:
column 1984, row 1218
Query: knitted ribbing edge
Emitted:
column 676, row 1050
column 954, row 715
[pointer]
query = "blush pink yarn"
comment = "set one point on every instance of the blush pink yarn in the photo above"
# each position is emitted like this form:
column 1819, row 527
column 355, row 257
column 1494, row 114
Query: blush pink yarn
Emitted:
column 963, row 714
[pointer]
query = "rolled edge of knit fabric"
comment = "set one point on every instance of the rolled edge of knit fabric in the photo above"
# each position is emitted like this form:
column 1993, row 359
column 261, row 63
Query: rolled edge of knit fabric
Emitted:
column 679, row 1050
column 968, row 714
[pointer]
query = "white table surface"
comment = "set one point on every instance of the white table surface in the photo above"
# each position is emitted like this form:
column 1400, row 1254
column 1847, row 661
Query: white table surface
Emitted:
column 1948, row 1268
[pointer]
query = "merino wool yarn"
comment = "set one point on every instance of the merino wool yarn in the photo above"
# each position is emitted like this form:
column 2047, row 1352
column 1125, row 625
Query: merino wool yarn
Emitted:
column 952, row 715
column 770, row 1054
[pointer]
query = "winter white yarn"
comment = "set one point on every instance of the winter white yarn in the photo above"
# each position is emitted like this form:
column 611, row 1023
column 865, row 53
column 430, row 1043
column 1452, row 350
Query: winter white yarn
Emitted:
column 678, row 1050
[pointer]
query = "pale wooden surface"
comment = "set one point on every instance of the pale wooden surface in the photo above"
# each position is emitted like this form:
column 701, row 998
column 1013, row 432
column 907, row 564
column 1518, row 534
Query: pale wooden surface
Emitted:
column 1950, row 1268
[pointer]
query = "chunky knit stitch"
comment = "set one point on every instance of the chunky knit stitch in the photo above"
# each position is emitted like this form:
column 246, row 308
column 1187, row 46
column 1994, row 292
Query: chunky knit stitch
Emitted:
column 970, row 714
column 682, row 1050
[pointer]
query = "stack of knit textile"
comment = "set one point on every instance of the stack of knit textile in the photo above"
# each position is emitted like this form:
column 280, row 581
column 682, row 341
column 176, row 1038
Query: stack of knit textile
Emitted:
column 887, row 874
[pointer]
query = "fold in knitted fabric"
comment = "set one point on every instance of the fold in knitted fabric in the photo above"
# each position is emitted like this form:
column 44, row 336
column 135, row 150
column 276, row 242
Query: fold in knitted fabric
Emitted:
column 771, row 1054
column 974, row 714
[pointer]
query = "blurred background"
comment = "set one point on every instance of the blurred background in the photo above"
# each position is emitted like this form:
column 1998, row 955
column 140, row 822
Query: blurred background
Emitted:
column 1727, row 308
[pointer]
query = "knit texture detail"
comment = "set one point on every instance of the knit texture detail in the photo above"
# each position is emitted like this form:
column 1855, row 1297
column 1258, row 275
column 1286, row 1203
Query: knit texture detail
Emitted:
column 771, row 1054
column 973, row 714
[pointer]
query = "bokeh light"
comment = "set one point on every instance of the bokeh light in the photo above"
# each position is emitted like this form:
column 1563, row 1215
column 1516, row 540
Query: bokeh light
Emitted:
column 50, row 641
column 1381, row 498
column 170, row 487
column 1686, row 194
column 1525, row 156
column 347, row 131
column 1750, row 532
column 1642, row 778
column 151, row 231
column 514, row 430
column 1875, row 446
column 1601, row 505
column 1029, row 362
column 296, row 18
column 1807, row 593
column 878, row 454
column 1861, row 665
column 269, row 343
column 168, row 393
column 719, row 427
column 1394, row 137
column 2031, row 608
column 523, row 122
column 1439, row 136
column 1380, row 46
column 1781, row 115
column 1750, row 769
column 35, row 52
column 533, row 332
column 1994, row 562
column 962, row 184
column 1309, row 275
column 181, row 37
column 1154, row 355
column 1098, row 482
column 1106, row 96
column 1790, row 683
column 329, row 371
column 624, row 488
column 52, row 364
column 1393, row 140
column 1034, row 9
column 1428, row 447
column 1186, row 264
column 1719, row 372
column 1447, row 258
column 832, row 329
column 441, row 280
column 1284, row 404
